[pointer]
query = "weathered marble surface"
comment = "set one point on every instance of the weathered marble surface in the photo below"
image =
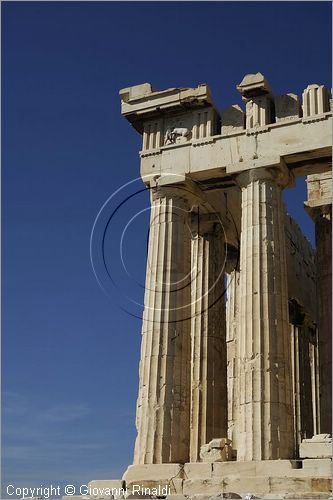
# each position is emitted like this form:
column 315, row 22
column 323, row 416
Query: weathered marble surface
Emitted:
column 252, row 370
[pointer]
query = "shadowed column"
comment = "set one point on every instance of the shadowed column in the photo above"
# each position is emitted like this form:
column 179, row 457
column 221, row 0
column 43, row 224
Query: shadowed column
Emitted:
column 232, row 321
column 322, row 218
column 319, row 207
column 324, row 291
column 208, row 343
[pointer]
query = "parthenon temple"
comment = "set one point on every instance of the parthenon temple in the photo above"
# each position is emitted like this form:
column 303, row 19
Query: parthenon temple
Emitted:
column 235, row 369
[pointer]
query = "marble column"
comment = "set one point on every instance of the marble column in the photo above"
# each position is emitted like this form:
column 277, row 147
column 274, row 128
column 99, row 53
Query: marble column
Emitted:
column 322, row 217
column 232, row 321
column 265, row 410
column 208, row 342
column 163, row 407
column 304, row 380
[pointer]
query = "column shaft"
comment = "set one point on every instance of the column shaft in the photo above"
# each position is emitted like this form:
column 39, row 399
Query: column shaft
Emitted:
column 324, row 296
column 232, row 322
column 263, row 348
column 163, row 402
column 208, row 351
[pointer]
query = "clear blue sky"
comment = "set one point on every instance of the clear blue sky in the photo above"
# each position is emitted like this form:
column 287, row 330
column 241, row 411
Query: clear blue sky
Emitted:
column 70, row 353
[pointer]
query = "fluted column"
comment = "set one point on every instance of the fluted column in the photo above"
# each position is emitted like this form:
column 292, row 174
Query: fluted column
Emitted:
column 232, row 325
column 208, row 343
column 319, row 207
column 265, row 415
column 324, row 300
column 164, row 393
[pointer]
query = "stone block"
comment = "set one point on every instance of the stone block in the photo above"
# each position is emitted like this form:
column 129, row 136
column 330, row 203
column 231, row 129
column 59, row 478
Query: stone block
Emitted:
column 135, row 92
column 162, row 472
column 230, row 485
column 287, row 484
column 230, row 494
column 299, row 484
column 274, row 496
column 207, row 487
column 232, row 120
column 176, row 486
column 243, row 485
column 273, row 467
column 319, row 187
column 222, row 469
column 175, row 496
column 287, row 107
column 254, row 85
column 319, row 446
column 323, row 484
column 317, row 466
column 217, row 450
column 254, row 468
column 198, row 471
column 305, row 495
column 153, row 480
column 219, row 442
column 106, row 488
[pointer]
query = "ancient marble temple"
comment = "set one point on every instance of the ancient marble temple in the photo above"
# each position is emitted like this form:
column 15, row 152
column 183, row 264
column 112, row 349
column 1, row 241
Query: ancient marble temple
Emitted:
column 235, row 369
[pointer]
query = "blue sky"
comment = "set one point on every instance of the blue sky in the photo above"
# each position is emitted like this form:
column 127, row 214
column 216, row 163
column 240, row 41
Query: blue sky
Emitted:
column 70, row 352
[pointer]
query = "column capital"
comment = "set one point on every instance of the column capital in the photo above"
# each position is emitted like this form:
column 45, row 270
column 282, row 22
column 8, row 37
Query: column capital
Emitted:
column 280, row 174
column 189, row 193
column 178, row 187
column 319, row 211
column 175, row 191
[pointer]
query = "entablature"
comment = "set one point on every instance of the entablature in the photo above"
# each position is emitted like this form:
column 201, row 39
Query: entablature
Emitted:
column 183, row 133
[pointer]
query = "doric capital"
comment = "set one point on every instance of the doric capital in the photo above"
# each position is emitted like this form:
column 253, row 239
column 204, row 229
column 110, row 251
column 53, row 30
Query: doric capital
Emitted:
column 319, row 212
column 175, row 191
column 280, row 174
column 178, row 185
